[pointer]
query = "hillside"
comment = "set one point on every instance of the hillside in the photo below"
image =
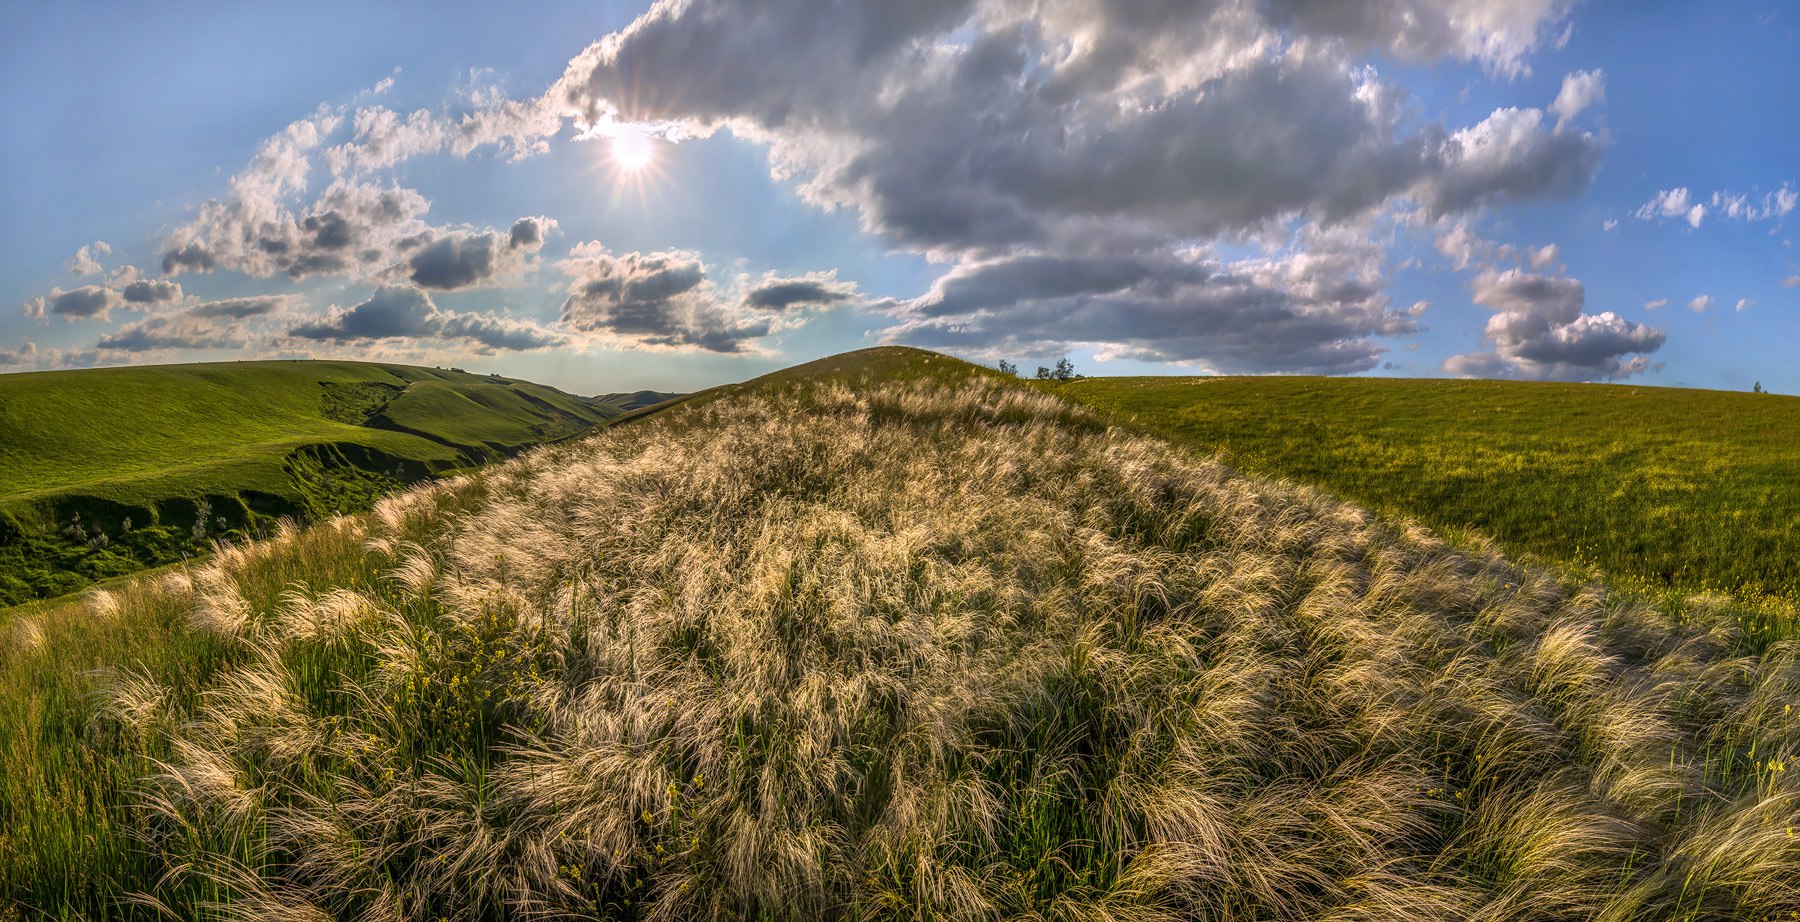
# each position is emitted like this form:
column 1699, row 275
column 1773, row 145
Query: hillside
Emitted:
column 1663, row 488
column 103, row 471
column 887, row 636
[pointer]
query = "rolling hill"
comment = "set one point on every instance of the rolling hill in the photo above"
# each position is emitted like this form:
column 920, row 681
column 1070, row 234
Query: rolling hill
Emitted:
column 1671, row 490
column 105, row 471
column 888, row 636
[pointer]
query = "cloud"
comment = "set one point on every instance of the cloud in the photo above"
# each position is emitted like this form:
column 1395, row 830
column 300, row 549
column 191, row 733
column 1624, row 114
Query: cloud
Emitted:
column 151, row 292
column 1311, row 310
column 24, row 355
column 1700, row 304
column 1656, row 305
column 1672, row 203
column 244, row 308
column 86, row 259
column 1539, row 331
column 176, row 331
column 1580, row 90
column 1773, row 205
column 404, row 312
column 661, row 299
column 815, row 289
column 89, row 302
column 1543, row 256
column 1792, row 281
column 1609, row 224
column 453, row 260
column 1743, row 303
column 352, row 228
column 994, row 133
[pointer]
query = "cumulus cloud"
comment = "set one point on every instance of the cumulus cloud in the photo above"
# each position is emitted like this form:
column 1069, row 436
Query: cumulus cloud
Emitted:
column 457, row 259
column 1672, row 203
column 405, row 312
column 24, row 355
column 989, row 133
column 1743, row 303
column 662, row 299
column 351, row 228
column 151, row 292
column 89, row 302
column 176, row 331
column 814, row 289
column 86, row 259
column 1316, row 309
column 1540, row 331
column 1700, row 304
column 1580, row 90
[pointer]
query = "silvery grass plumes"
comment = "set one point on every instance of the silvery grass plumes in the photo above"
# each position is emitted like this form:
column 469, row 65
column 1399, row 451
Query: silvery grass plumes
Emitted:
column 932, row 652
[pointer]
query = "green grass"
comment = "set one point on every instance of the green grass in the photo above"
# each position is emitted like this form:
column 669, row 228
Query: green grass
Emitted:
column 886, row 636
column 1671, row 490
column 253, row 440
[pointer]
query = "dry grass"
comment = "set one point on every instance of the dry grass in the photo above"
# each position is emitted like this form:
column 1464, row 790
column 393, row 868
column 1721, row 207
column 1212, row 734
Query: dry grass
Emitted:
column 940, row 651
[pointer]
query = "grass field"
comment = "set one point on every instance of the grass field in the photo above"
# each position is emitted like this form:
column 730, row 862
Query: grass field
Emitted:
column 104, row 471
column 884, row 637
column 1672, row 490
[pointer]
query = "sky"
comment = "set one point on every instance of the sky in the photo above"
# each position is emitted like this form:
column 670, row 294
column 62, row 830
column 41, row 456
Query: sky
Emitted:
column 612, row 196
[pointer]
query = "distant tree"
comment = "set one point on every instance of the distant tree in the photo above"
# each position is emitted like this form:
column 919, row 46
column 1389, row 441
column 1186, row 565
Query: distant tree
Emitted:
column 1008, row 368
column 1043, row 374
column 1065, row 369
column 1758, row 389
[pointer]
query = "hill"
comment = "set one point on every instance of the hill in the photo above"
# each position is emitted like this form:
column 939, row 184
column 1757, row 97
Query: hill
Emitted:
column 888, row 637
column 636, row 400
column 105, row 471
column 1673, row 490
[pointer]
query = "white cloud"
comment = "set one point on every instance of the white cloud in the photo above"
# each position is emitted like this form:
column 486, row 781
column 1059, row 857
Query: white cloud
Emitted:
column 1609, row 224
column 1656, row 305
column 1700, row 304
column 1580, row 90
column 1672, row 203
column 86, row 260
column 1743, row 303
column 1541, row 332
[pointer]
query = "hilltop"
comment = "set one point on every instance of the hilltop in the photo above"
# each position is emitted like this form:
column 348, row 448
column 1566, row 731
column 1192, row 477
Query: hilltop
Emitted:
column 103, row 471
column 888, row 636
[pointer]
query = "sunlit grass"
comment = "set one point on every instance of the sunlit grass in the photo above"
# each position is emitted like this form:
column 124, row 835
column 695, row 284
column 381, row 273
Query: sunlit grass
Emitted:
column 1668, row 492
column 941, row 648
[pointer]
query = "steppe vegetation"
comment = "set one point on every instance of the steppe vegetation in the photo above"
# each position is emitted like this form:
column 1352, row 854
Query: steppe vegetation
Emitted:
column 1668, row 491
column 898, row 641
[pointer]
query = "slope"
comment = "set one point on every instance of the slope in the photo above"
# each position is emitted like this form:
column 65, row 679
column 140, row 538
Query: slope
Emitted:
column 94, row 462
column 1669, row 489
column 887, row 637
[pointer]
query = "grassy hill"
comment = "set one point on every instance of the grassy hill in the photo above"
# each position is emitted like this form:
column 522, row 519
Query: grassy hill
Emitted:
column 1668, row 489
column 104, row 471
column 887, row 636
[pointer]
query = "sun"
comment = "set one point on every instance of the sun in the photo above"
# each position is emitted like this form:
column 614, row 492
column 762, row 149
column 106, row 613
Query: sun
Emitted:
column 632, row 150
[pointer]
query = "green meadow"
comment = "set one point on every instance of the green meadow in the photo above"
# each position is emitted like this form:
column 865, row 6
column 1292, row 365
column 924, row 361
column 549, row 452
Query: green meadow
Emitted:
column 107, row 471
column 1671, row 490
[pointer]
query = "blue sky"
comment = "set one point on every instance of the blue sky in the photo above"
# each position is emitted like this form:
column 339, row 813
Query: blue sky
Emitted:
column 1410, row 187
